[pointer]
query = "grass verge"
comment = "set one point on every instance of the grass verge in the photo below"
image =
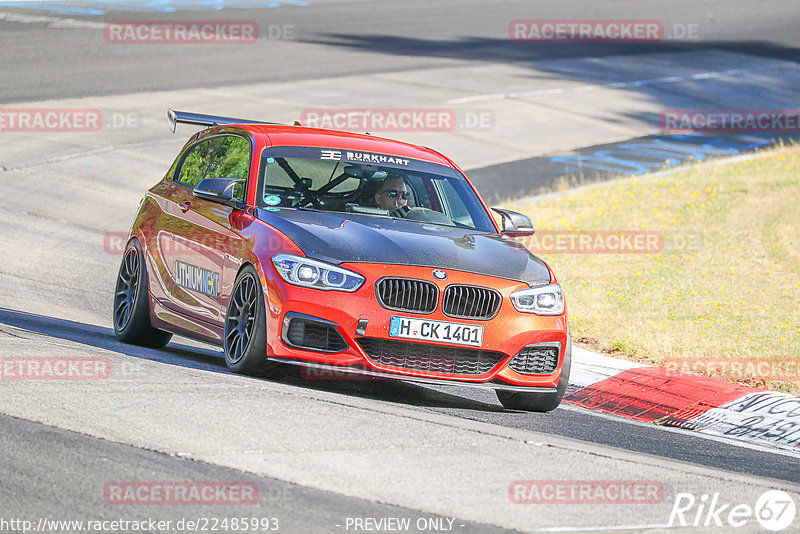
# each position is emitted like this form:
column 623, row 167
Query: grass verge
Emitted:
column 718, row 294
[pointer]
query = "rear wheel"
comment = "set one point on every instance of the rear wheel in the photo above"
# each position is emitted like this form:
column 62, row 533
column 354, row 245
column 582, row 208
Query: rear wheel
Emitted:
column 246, row 327
column 131, row 302
column 540, row 402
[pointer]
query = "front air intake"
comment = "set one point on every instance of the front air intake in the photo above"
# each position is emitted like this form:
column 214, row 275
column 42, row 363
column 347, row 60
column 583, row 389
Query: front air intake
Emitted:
column 431, row 358
column 305, row 332
column 471, row 302
column 539, row 359
column 407, row 294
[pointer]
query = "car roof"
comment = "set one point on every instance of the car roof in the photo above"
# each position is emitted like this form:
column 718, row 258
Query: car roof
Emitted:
column 317, row 137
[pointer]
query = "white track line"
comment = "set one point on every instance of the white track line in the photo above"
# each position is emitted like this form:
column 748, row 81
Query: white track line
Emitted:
column 593, row 87
column 52, row 22
column 755, row 446
column 604, row 529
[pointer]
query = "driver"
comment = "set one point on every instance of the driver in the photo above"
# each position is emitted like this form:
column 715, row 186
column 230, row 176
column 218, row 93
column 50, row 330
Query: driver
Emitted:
column 393, row 194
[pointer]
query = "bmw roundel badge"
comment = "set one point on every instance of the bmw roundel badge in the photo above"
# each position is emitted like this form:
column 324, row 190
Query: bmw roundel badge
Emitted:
column 439, row 274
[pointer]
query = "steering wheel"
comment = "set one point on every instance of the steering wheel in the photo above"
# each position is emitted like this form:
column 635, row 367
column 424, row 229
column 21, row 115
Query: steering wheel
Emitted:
column 401, row 212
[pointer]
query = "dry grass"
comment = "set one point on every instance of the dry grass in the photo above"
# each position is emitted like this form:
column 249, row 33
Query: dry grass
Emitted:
column 727, row 308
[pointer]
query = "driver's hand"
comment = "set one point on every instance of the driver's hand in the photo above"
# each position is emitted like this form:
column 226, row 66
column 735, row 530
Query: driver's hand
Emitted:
column 401, row 212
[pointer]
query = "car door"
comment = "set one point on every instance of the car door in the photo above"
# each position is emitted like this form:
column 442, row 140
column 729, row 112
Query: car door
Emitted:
column 199, row 242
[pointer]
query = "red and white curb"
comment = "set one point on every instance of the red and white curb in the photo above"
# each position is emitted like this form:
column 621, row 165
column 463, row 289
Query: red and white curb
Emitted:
column 672, row 398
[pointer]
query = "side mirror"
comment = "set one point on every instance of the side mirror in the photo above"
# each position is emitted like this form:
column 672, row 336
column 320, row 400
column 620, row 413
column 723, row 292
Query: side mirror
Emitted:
column 172, row 119
column 515, row 224
column 218, row 190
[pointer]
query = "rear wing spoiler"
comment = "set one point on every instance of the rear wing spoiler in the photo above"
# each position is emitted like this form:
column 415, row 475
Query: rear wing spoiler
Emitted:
column 183, row 117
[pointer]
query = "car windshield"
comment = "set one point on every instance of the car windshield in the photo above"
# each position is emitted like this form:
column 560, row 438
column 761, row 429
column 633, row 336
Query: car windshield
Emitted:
column 369, row 184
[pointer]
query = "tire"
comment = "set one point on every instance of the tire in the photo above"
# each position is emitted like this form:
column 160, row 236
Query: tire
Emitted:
column 539, row 402
column 245, row 340
column 131, row 315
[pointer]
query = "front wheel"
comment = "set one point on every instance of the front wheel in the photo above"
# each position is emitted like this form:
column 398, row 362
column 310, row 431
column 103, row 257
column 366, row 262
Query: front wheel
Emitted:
column 540, row 402
column 131, row 302
column 246, row 327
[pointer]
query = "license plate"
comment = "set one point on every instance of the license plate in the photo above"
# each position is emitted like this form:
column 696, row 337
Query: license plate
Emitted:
column 442, row 331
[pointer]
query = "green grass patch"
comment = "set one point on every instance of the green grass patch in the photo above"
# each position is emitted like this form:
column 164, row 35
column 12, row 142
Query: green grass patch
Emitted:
column 728, row 306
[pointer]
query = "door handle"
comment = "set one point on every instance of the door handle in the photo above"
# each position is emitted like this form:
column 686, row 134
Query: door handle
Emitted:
column 185, row 205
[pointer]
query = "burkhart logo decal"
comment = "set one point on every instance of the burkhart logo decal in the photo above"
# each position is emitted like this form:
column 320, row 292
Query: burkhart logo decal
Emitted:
column 362, row 157
column 196, row 279
column 335, row 155
column 375, row 158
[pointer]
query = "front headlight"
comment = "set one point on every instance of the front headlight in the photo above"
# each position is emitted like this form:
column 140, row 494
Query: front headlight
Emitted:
column 306, row 272
column 542, row 300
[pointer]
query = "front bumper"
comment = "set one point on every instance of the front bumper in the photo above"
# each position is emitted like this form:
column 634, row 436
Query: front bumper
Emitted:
column 362, row 322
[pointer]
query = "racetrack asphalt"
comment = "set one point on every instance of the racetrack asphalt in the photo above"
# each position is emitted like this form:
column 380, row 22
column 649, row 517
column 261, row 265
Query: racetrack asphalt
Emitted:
column 311, row 433
column 352, row 449
column 36, row 486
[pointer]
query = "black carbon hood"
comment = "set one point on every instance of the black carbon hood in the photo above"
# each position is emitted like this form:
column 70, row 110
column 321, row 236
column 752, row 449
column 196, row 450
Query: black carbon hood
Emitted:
column 350, row 238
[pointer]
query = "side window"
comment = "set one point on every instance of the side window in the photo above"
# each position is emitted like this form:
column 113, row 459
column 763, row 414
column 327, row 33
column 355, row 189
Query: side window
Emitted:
column 458, row 210
column 420, row 186
column 195, row 163
column 232, row 160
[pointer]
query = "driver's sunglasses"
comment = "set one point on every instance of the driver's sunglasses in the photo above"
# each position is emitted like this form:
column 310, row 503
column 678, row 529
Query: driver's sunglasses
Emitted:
column 391, row 193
